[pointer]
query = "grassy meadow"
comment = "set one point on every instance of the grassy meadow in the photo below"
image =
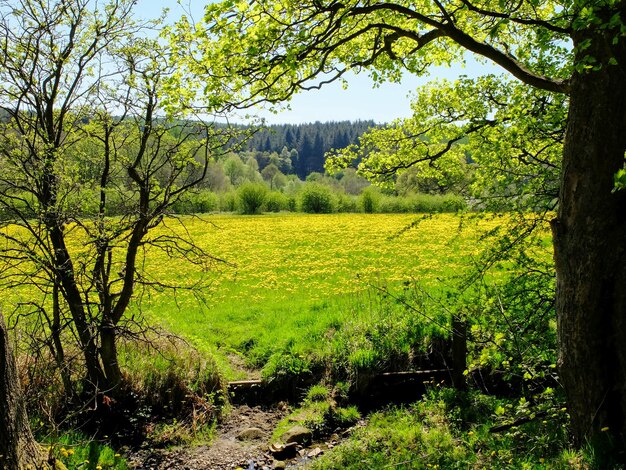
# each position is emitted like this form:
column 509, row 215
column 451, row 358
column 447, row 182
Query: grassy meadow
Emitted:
column 302, row 284
column 289, row 290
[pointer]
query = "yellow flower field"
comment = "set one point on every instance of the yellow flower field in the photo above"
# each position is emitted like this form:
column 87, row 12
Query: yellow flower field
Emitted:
column 288, row 279
column 295, row 275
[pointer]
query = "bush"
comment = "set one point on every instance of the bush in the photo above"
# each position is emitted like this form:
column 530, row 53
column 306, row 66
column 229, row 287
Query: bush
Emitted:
column 251, row 197
column 369, row 200
column 393, row 205
column 436, row 203
column 292, row 204
column 196, row 203
column 317, row 199
column 228, row 202
column 346, row 203
column 276, row 202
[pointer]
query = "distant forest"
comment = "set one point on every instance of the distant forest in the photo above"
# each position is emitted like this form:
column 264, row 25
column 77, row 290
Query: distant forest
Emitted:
column 310, row 141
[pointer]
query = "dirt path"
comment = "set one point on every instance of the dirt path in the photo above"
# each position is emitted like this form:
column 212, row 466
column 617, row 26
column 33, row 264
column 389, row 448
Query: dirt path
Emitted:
column 227, row 451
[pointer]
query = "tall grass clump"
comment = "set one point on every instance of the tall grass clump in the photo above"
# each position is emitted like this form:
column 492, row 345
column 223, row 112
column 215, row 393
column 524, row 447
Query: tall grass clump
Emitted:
column 174, row 380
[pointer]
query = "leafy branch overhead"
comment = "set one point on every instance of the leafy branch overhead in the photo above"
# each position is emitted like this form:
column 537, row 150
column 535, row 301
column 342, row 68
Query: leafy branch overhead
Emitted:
column 553, row 130
column 250, row 52
column 483, row 121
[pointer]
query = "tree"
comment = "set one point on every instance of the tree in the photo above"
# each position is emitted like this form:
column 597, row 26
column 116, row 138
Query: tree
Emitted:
column 18, row 448
column 572, row 51
column 234, row 169
column 270, row 172
column 82, row 91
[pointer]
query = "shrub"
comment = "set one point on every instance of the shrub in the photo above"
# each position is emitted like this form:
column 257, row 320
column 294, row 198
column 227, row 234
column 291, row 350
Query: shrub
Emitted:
column 453, row 203
column 346, row 203
column 276, row 202
column 369, row 200
column 251, row 197
column 436, row 203
column 196, row 202
column 228, row 202
column 393, row 205
column 317, row 199
column 292, row 205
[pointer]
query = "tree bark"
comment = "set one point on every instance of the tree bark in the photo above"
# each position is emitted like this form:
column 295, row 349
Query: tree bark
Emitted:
column 18, row 448
column 590, row 251
column 108, row 354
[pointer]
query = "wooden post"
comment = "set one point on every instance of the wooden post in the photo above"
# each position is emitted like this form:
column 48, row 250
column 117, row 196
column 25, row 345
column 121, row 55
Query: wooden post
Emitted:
column 459, row 352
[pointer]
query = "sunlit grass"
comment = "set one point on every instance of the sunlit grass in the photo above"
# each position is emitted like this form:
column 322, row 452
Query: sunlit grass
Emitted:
column 292, row 278
column 290, row 282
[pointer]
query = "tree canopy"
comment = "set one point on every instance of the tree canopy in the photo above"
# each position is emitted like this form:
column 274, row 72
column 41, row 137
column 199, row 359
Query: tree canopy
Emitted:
column 566, row 59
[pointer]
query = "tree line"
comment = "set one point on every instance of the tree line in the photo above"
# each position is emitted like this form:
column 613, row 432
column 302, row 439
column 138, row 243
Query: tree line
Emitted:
column 311, row 142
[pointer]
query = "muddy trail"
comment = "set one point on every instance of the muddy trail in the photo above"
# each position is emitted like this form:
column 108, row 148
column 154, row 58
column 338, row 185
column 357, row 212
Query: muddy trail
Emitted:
column 243, row 441
column 243, row 438
column 231, row 448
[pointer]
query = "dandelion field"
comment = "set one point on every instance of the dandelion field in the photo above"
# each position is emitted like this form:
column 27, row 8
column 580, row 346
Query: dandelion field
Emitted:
column 299, row 284
column 293, row 279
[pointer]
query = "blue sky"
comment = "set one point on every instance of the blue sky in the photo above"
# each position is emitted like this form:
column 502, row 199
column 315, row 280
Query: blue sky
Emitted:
column 332, row 103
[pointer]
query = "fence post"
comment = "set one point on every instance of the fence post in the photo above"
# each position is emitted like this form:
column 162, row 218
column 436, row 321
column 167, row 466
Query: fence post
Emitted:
column 459, row 351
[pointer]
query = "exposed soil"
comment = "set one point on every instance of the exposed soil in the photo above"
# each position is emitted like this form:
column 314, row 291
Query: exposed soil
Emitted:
column 226, row 452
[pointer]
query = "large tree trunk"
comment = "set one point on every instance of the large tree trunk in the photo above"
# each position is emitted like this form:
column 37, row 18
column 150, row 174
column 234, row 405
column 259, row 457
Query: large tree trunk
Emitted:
column 590, row 252
column 18, row 449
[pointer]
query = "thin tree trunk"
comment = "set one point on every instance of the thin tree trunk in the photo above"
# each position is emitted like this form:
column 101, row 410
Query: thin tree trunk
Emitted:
column 590, row 243
column 58, row 351
column 18, row 448
column 108, row 354
column 96, row 379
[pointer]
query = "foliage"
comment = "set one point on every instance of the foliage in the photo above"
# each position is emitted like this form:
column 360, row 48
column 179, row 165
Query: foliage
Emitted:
column 319, row 413
column 196, row 202
column 276, row 202
column 369, row 201
column 251, row 197
column 449, row 430
column 305, row 293
column 316, row 199
column 77, row 451
column 445, row 139
column 172, row 380
column 89, row 157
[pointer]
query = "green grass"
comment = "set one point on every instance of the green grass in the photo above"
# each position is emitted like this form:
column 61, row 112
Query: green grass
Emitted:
column 301, row 284
column 450, row 431
column 298, row 290
column 76, row 451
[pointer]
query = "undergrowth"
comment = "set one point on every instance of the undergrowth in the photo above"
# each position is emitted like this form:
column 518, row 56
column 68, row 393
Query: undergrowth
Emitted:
column 171, row 395
column 452, row 430
column 76, row 451
column 322, row 412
